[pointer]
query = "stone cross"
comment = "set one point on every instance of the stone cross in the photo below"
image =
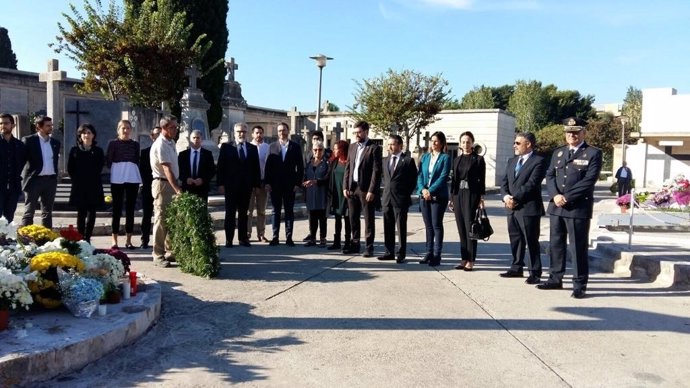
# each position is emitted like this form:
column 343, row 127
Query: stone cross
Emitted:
column 231, row 67
column 337, row 130
column 293, row 114
column 52, row 78
column 193, row 73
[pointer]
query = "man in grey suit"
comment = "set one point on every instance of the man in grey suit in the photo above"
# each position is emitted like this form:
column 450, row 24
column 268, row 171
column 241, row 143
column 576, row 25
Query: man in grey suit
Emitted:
column 399, row 181
column 521, row 193
column 39, row 178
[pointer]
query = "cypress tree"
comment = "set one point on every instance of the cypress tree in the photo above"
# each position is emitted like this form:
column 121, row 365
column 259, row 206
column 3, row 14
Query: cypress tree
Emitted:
column 7, row 58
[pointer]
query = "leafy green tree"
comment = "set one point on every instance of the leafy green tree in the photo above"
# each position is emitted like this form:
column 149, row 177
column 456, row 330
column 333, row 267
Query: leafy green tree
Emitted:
column 139, row 52
column 529, row 103
column 478, row 98
column 502, row 95
column 632, row 108
column 549, row 138
column 8, row 59
column 568, row 103
column 207, row 18
column 400, row 102
column 452, row 104
column 333, row 107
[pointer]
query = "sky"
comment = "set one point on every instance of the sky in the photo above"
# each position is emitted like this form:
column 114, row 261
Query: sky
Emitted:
column 597, row 47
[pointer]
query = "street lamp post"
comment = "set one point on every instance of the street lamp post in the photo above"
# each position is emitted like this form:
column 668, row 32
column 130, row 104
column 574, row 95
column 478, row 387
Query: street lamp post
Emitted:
column 321, row 63
column 624, row 120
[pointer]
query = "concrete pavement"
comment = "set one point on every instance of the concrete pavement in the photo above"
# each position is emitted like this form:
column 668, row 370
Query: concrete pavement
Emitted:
column 280, row 316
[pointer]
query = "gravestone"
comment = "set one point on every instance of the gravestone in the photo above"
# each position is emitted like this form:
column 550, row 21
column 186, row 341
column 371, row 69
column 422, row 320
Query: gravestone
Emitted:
column 234, row 105
column 103, row 115
column 194, row 116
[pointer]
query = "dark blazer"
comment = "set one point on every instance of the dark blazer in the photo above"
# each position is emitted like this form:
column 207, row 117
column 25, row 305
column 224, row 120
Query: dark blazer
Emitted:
column 437, row 181
column 398, row 187
column 476, row 179
column 84, row 168
column 284, row 174
column 234, row 174
column 620, row 169
column 145, row 167
column 206, row 170
column 575, row 179
column 13, row 177
column 526, row 186
column 34, row 158
column 369, row 168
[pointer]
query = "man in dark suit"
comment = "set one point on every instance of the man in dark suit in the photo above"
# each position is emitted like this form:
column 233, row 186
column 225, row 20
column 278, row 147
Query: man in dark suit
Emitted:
column 39, row 177
column 283, row 177
column 399, row 181
column 196, row 167
column 570, row 180
column 238, row 174
column 146, row 196
column 624, row 179
column 361, row 186
column 521, row 192
column 12, row 161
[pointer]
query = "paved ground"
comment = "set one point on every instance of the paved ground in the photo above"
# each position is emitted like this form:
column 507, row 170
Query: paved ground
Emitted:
column 280, row 316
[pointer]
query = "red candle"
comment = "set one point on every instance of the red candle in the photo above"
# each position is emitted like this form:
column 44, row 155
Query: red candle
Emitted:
column 133, row 282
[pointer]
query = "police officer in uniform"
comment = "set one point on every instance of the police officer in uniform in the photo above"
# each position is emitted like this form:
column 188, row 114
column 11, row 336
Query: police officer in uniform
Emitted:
column 570, row 180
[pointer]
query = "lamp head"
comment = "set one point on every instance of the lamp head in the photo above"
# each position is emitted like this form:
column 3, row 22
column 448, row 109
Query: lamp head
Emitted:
column 321, row 60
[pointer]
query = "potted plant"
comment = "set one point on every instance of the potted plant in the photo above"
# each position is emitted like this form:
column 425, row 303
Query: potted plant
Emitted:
column 624, row 202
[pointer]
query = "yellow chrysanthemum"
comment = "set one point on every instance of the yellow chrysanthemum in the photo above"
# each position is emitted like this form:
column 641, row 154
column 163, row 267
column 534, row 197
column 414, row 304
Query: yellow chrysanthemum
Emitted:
column 63, row 260
column 38, row 233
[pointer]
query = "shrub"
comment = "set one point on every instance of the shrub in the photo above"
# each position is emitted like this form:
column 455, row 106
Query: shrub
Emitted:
column 190, row 229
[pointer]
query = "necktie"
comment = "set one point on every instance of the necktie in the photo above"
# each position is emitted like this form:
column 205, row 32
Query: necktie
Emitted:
column 242, row 155
column 518, row 166
column 194, row 164
column 392, row 166
column 570, row 153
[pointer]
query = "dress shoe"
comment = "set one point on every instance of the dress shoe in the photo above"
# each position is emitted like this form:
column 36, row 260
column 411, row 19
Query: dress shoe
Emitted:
column 511, row 274
column 334, row 247
column 400, row 260
column 228, row 245
column 306, row 239
column 274, row 242
column 130, row 246
column 427, row 258
column 245, row 243
column 353, row 248
column 310, row 243
column 386, row 257
column 290, row 243
column 368, row 254
column 145, row 245
column 550, row 286
column 263, row 239
column 580, row 293
column 532, row 279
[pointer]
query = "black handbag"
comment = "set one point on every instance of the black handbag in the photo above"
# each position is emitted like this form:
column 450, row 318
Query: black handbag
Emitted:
column 481, row 227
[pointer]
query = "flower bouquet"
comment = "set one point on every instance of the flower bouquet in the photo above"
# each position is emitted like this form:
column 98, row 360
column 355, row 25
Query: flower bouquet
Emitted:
column 70, row 240
column 8, row 231
column 118, row 254
column 80, row 294
column 105, row 268
column 45, row 288
column 674, row 193
column 35, row 233
column 14, row 292
column 624, row 201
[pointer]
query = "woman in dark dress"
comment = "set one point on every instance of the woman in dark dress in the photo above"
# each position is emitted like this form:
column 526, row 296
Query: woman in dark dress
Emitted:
column 316, row 184
column 337, row 199
column 467, row 195
column 84, row 166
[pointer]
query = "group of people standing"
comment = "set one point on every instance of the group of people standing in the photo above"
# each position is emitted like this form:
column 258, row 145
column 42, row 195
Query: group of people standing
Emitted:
column 345, row 183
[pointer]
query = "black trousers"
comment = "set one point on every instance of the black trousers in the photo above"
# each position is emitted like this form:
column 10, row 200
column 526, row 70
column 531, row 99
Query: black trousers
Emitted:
column 395, row 218
column 147, row 208
column 569, row 235
column 317, row 220
column 465, row 205
column 284, row 197
column 236, row 206
column 8, row 203
column 86, row 219
column 339, row 220
column 43, row 189
column 127, row 193
column 357, row 204
column 523, row 232
column 623, row 186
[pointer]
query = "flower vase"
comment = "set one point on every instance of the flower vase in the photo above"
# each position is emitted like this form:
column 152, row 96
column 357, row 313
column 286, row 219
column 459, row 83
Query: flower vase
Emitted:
column 4, row 319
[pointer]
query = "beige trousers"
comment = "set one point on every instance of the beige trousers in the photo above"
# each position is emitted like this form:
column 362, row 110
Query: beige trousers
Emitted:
column 162, row 193
column 258, row 200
